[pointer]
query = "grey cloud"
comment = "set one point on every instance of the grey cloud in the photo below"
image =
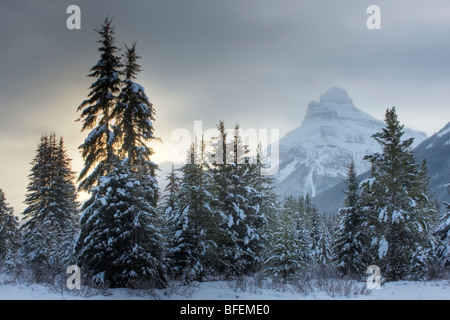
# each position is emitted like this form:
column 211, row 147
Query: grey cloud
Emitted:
column 258, row 62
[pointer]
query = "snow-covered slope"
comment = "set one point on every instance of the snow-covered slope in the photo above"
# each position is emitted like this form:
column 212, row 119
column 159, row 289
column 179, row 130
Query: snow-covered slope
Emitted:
column 314, row 156
column 231, row 290
column 436, row 150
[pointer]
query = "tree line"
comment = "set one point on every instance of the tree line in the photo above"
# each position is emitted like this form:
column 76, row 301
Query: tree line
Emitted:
column 216, row 218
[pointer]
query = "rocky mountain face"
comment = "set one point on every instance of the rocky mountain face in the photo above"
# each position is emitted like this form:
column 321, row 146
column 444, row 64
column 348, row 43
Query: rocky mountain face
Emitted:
column 314, row 156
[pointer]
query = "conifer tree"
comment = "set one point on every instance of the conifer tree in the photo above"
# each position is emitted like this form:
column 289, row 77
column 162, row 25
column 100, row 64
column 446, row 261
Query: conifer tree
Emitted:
column 9, row 230
column 306, row 214
column 288, row 254
column 135, row 114
column 98, row 149
column 442, row 232
column 248, row 204
column 168, row 206
column 51, row 218
column 324, row 255
column 241, row 247
column 350, row 238
column 120, row 244
column 193, row 249
column 395, row 198
column 315, row 232
column 171, row 192
column 224, row 205
column 264, row 199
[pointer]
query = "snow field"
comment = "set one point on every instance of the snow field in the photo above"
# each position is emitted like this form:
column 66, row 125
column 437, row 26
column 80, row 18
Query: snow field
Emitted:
column 241, row 289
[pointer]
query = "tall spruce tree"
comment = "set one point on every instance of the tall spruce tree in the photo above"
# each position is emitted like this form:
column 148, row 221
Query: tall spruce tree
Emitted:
column 264, row 199
column 398, row 207
column 51, row 218
column 120, row 242
column 98, row 149
column 9, row 230
column 168, row 206
column 193, row 245
column 248, row 204
column 224, row 205
column 350, row 238
column 242, row 221
column 135, row 115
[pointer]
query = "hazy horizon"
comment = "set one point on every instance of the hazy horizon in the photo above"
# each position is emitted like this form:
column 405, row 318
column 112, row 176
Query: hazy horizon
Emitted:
column 257, row 62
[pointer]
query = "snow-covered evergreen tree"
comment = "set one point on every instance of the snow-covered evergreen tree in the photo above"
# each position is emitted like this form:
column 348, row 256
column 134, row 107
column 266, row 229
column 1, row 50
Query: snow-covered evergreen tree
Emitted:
column 309, row 225
column 171, row 192
column 98, row 149
column 9, row 230
column 351, row 239
column 303, row 221
column 442, row 232
column 242, row 221
column 195, row 226
column 168, row 206
column 313, row 226
column 288, row 253
column 135, row 115
column 249, row 205
column 51, row 218
column 315, row 232
column 395, row 200
column 264, row 199
column 120, row 242
column 324, row 253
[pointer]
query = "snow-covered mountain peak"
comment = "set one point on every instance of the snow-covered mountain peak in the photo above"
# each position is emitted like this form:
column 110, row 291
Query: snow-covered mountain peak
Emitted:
column 334, row 120
column 314, row 156
column 334, row 104
column 336, row 95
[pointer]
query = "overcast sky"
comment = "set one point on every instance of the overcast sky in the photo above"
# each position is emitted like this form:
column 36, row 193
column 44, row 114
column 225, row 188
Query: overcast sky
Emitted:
column 259, row 62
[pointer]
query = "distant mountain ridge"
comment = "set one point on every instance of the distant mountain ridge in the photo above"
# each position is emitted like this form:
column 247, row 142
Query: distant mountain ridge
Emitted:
column 435, row 150
column 314, row 156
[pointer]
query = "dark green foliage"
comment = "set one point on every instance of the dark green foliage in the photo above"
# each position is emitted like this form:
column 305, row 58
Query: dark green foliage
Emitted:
column 396, row 202
column 120, row 242
column 351, row 239
column 51, row 218
column 238, row 204
column 135, row 114
column 98, row 148
column 192, row 221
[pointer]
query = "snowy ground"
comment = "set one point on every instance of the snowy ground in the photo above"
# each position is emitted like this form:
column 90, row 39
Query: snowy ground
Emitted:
column 231, row 290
